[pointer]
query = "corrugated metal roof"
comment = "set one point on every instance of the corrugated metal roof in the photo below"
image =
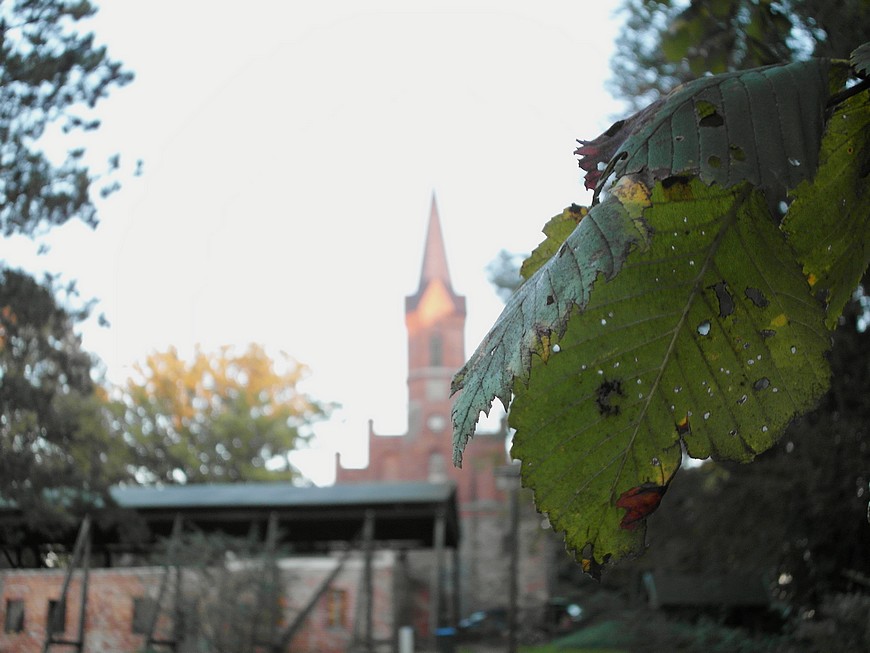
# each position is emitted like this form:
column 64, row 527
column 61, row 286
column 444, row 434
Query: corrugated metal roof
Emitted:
column 278, row 495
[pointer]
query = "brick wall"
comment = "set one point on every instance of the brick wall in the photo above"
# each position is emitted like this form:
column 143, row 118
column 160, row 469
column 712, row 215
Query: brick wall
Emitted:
column 109, row 607
column 109, row 621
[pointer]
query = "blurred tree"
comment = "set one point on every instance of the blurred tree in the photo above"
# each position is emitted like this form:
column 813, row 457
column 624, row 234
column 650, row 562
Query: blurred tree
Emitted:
column 503, row 272
column 218, row 418
column 668, row 42
column 56, row 452
column 50, row 75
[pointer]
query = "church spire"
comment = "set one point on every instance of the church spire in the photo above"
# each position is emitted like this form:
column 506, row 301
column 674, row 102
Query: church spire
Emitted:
column 435, row 271
column 434, row 256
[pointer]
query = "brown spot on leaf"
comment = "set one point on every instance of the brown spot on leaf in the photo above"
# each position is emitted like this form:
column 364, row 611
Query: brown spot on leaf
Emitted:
column 683, row 426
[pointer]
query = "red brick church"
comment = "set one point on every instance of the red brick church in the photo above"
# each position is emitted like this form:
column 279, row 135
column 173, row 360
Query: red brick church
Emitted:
column 435, row 319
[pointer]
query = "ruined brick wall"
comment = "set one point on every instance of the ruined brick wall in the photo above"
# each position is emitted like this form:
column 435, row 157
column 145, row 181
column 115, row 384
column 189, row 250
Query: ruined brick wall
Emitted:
column 329, row 628
column 109, row 608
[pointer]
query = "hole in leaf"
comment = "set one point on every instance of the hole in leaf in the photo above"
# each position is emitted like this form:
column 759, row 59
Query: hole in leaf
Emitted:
column 673, row 180
column 726, row 301
column 756, row 297
column 767, row 333
column 607, row 391
column 737, row 153
column 761, row 384
column 556, row 349
column 615, row 127
column 714, row 161
column 550, row 299
column 713, row 120
column 742, row 400
column 708, row 114
column 704, row 328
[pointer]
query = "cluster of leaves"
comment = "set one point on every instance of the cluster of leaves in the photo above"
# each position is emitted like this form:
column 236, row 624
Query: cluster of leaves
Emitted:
column 49, row 74
column 690, row 309
column 218, row 417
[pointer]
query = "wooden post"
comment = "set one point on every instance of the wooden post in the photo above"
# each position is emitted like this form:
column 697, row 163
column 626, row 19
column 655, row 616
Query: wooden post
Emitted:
column 436, row 590
column 174, row 540
column 514, row 568
column 81, row 549
column 368, row 547
column 456, row 588
column 83, row 603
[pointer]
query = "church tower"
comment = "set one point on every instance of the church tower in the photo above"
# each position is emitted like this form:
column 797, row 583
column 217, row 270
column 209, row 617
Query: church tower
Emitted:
column 435, row 318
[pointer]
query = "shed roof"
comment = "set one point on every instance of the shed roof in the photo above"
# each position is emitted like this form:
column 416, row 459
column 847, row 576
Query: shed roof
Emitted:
column 306, row 516
column 279, row 495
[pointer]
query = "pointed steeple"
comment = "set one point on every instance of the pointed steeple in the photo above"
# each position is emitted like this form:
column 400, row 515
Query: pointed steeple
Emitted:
column 435, row 269
column 434, row 256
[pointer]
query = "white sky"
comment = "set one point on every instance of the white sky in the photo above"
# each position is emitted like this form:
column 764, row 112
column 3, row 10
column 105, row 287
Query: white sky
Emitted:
column 290, row 153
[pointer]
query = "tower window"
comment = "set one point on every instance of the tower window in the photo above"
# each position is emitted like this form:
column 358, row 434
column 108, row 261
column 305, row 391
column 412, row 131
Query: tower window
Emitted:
column 436, row 351
column 437, row 468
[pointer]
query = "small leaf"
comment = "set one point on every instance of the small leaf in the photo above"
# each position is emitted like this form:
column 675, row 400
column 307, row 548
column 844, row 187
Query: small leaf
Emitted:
column 860, row 59
column 708, row 339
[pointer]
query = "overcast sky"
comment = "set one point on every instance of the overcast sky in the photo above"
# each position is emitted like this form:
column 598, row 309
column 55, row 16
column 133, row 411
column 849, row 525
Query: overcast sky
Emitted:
column 290, row 152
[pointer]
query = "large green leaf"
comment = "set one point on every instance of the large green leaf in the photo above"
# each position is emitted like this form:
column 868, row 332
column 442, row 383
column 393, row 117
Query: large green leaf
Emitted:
column 708, row 337
column 829, row 218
